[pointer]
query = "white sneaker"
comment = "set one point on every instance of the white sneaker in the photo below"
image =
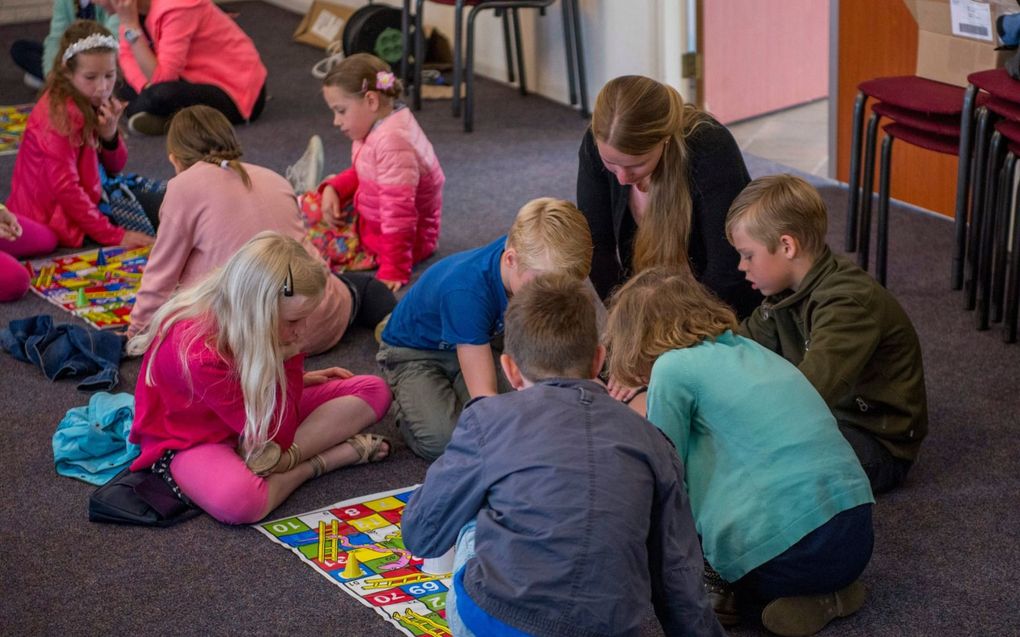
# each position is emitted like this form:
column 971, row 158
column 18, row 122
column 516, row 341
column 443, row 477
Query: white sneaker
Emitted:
column 323, row 66
column 306, row 173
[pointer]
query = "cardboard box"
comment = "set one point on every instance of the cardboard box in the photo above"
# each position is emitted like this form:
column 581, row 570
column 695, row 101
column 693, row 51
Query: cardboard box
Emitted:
column 957, row 37
column 323, row 24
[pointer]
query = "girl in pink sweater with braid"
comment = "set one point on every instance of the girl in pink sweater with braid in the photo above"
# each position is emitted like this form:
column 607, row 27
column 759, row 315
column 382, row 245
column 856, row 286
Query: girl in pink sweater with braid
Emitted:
column 396, row 183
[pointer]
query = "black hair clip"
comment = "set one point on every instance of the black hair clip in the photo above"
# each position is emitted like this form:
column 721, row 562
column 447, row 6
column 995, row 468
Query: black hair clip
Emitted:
column 288, row 283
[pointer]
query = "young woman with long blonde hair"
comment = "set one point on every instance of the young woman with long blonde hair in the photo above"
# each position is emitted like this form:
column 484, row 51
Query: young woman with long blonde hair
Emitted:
column 655, row 179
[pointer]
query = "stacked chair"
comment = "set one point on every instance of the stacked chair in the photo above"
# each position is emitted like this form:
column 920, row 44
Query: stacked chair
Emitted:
column 922, row 112
column 990, row 270
column 463, row 68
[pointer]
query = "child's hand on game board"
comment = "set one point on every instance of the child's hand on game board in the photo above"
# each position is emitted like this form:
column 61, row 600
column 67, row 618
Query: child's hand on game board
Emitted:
column 321, row 376
column 330, row 206
column 109, row 114
column 10, row 229
column 134, row 239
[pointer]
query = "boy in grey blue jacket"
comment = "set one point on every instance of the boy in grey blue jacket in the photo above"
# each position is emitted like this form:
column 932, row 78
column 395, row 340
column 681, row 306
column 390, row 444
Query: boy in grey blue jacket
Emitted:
column 570, row 508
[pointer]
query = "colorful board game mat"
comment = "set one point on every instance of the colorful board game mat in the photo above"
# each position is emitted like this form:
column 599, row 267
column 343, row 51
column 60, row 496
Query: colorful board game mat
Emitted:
column 98, row 286
column 357, row 545
column 12, row 126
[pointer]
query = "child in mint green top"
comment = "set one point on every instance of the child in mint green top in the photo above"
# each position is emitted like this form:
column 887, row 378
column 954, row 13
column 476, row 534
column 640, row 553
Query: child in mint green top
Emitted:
column 780, row 501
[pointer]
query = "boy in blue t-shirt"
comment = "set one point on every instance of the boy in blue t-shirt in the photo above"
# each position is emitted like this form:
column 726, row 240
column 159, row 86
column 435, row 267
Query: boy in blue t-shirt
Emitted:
column 568, row 509
column 436, row 351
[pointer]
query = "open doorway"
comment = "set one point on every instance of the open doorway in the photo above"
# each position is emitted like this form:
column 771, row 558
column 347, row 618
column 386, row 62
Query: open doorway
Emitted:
column 765, row 74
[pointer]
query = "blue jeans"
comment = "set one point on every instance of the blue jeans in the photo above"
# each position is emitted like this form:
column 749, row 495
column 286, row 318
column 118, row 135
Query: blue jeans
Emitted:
column 465, row 551
column 484, row 622
column 823, row 561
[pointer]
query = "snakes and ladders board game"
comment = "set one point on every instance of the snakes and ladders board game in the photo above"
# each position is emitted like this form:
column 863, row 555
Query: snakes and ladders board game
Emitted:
column 357, row 545
column 12, row 127
column 98, row 286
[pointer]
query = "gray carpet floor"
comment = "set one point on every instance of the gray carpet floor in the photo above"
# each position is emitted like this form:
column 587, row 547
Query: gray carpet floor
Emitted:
column 947, row 547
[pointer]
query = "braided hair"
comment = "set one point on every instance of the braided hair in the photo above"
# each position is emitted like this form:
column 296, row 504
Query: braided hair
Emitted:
column 202, row 133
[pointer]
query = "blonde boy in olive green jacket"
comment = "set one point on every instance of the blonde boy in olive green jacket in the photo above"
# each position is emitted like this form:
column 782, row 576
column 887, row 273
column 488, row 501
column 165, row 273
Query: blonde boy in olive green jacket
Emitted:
column 842, row 329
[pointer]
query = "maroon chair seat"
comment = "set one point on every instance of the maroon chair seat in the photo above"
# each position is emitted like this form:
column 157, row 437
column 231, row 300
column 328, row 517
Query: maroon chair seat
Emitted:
column 948, row 125
column 996, row 82
column 945, row 144
column 915, row 93
column 1003, row 108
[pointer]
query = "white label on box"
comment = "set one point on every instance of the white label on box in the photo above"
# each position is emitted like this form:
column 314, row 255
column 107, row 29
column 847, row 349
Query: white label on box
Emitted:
column 972, row 19
column 328, row 25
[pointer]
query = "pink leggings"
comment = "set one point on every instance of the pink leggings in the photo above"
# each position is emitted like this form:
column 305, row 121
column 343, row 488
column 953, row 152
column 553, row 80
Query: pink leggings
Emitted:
column 216, row 479
column 36, row 239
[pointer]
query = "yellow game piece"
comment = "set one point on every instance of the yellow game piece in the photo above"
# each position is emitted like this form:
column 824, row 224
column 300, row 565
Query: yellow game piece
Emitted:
column 352, row 570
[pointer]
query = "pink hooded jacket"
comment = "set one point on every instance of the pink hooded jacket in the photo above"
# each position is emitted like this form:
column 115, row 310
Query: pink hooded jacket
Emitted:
column 56, row 178
column 195, row 41
column 400, row 194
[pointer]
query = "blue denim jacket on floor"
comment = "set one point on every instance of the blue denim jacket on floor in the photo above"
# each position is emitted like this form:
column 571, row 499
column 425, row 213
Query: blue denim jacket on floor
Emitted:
column 66, row 350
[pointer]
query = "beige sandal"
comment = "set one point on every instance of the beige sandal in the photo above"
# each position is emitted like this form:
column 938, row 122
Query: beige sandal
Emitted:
column 367, row 446
column 263, row 463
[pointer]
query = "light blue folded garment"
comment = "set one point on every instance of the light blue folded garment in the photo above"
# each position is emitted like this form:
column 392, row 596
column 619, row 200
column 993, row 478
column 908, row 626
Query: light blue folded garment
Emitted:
column 91, row 443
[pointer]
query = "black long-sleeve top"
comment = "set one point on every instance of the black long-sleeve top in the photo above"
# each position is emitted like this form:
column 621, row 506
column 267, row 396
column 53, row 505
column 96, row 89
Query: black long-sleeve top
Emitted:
column 716, row 174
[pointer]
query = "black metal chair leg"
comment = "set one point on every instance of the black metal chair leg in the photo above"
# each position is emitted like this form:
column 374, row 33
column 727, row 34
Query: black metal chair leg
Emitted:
column 976, row 209
column 405, row 45
column 419, row 52
column 983, row 280
column 568, row 44
column 854, row 180
column 882, row 240
column 582, row 82
column 864, row 223
column 1012, row 301
column 519, row 47
column 963, row 186
column 1000, row 236
column 469, row 99
column 508, row 45
column 458, row 54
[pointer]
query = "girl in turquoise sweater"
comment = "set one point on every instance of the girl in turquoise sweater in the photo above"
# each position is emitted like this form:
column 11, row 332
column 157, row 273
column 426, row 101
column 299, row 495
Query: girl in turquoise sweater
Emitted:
column 780, row 501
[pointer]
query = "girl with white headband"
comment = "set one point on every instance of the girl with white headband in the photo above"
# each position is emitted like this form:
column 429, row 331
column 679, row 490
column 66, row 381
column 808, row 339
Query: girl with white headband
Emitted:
column 55, row 188
column 37, row 58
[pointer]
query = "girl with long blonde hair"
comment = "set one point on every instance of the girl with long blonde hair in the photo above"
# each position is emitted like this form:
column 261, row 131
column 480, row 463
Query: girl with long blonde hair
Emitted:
column 224, row 410
column 779, row 499
column 655, row 179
